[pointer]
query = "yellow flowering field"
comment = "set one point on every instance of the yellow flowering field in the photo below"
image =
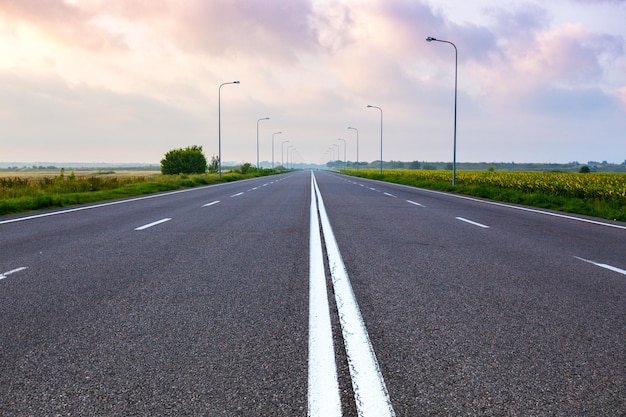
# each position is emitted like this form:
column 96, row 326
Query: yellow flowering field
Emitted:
column 600, row 194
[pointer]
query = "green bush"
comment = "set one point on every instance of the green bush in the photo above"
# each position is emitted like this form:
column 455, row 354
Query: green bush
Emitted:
column 189, row 160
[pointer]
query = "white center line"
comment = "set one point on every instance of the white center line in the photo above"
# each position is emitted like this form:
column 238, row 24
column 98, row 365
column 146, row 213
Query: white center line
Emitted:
column 211, row 203
column 323, row 386
column 390, row 195
column 609, row 267
column 417, row 204
column 6, row 274
column 236, row 195
column 370, row 392
column 152, row 224
column 471, row 222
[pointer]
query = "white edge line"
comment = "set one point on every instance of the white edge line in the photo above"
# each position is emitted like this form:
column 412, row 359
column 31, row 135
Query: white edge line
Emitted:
column 496, row 203
column 370, row 393
column 6, row 274
column 111, row 203
column 323, row 386
column 605, row 266
column 211, row 203
column 145, row 226
column 474, row 223
column 417, row 204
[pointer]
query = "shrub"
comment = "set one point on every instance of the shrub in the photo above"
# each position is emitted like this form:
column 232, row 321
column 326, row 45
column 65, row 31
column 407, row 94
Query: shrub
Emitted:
column 189, row 160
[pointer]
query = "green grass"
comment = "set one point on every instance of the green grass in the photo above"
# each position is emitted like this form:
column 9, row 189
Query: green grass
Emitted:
column 28, row 193
column 597, row 194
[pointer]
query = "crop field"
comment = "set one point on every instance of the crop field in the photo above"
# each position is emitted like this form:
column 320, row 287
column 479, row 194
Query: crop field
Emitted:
column 594, row 194
column 22, row 191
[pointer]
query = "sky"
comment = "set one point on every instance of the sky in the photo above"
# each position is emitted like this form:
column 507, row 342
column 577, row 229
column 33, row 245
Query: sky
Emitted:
column 126, row 81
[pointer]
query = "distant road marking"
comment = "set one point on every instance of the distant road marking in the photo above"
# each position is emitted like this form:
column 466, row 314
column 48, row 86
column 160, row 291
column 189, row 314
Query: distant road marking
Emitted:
column 110, row 203
column 373, row 189
column 237, row 195
column 390, row 195
column 609, row 267
column 417, row 204
column 211, row 203
column 13, row 271
column 153, row 224
column 474, row 223
column 370, row 393
column 495, row 203
column 323, row 386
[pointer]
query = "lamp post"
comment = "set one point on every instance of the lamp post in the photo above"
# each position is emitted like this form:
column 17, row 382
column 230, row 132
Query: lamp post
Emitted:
column 275, row 133
column 456, row 61
column 219, row 124
column 381, row 136
column 345, row 158
column 282, row 153
column 357, row 147
column 289, row 147
column 257, row 142
column 338, row 157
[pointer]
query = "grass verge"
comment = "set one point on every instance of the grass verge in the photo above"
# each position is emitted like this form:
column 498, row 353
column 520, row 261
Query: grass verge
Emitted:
column 596, row 195
column 29, row 193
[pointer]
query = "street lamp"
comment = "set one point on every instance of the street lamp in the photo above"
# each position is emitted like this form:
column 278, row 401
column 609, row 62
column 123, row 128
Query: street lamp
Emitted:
column 456, row 61
column 275, row 133
column 289, row 147
column 282, row 153
column 381, row 136
column 219, row 124
column 257, row 142
column 338, row 156
column 345, row 158
column 357, row 147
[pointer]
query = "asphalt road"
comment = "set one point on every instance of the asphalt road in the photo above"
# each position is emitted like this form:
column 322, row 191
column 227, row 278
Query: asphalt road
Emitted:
column 201, row 303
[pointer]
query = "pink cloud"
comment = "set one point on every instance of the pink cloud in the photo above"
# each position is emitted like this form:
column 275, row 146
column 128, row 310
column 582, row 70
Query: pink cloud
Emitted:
column 69, row 24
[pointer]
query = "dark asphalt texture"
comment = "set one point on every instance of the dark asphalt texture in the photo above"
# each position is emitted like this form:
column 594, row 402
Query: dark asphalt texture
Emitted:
column 207, row 314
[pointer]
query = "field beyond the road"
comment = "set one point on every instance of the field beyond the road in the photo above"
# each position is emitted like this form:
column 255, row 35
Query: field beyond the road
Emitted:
column 594, row 194
column 23, row 191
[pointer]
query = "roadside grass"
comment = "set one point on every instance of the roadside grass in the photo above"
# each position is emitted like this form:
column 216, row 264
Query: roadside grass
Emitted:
column 594, row 194
column 25, row 192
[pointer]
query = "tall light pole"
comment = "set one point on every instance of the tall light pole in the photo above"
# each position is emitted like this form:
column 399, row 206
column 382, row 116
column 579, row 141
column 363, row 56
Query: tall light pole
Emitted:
column 289, row 147
column 357, row 147
column 282, row 153
column 345, row 158
column 257, row 142
column 219, row 124
column 456, row 62
column 381, row 136
column 273, row 134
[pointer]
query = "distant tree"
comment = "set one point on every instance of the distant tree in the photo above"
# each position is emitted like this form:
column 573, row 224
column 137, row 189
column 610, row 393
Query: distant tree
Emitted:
column 245, row 168
column 449, row 166
column 214, row 166
column 414, row 165
column 584, row 169
column 189, row 160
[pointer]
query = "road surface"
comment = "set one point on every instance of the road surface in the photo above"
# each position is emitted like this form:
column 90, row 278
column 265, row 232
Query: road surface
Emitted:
column 311, row 293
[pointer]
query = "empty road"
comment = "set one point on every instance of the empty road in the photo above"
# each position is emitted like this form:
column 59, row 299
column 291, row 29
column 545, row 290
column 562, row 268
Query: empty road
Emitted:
column 311, row 293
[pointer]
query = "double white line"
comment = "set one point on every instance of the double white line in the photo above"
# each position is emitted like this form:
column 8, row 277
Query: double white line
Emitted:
column 370, row 392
